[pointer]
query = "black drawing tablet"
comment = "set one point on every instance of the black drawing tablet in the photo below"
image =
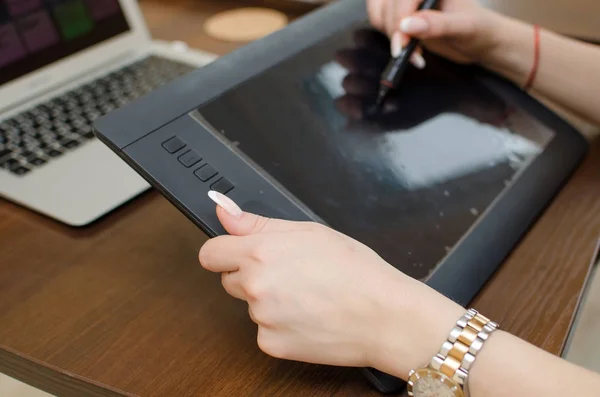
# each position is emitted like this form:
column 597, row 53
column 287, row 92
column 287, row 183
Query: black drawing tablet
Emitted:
column 442, row 184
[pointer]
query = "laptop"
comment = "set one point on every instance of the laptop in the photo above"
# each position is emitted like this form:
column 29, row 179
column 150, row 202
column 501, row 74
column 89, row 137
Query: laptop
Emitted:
column 64, row 63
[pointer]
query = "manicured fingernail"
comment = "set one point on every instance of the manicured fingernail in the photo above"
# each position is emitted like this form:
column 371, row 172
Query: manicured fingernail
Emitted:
column 418, row 60
column 396, row 44
column 226, row 203
column 412, row 25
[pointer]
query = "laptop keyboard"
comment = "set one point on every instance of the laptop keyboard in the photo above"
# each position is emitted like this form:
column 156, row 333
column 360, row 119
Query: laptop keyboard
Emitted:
column 33, row 138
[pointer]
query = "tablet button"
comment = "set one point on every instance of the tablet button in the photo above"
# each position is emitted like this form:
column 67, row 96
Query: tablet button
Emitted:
column 189, row 158
column 222, row 186
column 205, row 172
column 174, row 144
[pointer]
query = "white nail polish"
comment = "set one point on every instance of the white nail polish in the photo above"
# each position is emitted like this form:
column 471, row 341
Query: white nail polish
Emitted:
column 405, row 24
column 413, row 25
column 226, row 203
column 418, row 60
column 396, row 44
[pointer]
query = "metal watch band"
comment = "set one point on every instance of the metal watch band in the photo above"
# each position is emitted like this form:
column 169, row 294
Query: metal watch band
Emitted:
column 466, row 339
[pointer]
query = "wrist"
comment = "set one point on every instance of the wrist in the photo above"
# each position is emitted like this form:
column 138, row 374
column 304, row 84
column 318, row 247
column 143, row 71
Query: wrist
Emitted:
column 415, row 325
column 511, row 48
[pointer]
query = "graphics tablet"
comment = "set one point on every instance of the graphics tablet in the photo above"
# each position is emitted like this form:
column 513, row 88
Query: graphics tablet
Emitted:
column 442, row 185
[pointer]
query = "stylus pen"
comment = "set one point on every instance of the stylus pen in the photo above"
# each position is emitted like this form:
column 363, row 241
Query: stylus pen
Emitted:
column 397, row 66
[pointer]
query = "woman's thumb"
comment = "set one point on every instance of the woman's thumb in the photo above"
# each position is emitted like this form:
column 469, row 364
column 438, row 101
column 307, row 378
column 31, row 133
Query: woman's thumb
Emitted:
column 431, row 24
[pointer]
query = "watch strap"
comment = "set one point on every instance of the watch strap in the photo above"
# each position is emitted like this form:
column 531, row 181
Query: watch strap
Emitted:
column 466, row 339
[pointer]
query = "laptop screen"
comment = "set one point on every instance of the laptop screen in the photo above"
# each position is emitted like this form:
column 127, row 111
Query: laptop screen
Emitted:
column 35, row 33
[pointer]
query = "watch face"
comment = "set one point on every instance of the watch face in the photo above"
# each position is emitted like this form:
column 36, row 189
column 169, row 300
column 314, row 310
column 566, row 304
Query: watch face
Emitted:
column 427, row 382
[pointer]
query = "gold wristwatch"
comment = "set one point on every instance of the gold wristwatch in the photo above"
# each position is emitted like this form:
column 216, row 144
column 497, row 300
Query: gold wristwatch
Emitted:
column 447, row 373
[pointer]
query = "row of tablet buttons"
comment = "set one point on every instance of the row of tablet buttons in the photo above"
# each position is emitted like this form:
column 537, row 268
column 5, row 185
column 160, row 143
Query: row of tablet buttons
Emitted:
column 190, row 157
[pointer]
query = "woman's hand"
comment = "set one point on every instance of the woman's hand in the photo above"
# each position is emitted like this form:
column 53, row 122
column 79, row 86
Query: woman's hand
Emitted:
column 461, row 30
column 319, row 296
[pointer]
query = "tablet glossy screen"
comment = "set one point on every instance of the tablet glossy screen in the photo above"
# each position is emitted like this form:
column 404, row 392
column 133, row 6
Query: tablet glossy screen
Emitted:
column 409, row 182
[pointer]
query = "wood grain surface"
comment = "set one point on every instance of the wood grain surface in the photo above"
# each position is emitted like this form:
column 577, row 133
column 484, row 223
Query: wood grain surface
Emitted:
column 123, row 308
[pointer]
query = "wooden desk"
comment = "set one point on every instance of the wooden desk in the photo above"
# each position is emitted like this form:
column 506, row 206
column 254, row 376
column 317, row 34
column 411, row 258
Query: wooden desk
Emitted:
column 123, row 307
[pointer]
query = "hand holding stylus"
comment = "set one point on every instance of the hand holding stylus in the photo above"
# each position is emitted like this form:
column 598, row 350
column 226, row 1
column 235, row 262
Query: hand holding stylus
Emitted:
column 402, row 56
column 420, row 97
column 459, row 30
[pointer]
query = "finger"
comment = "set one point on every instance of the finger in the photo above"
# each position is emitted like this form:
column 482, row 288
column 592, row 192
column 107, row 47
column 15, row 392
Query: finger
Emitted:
column 397, row 43
column 375, row 10
column 389, row 18
column 239, row 223
column 435, row 24
column 397, row 46
column 233, row 285
column 250, row 224
column 396, row 11
column 223, row 254
column 418, row 60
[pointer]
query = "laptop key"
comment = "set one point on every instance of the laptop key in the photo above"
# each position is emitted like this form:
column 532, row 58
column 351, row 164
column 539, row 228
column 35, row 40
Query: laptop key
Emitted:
column 107, row 108
column 31, row 131
column 19, row 170
column 25, row 154
column 45, row 125
column 4, row 153
column 29, row 140
column 86, row 98
column 93, row 115
column 52, row 152
column 78, row 122
column 26, row 123
column 60, row 116
column 11, row 130
column 74, row 113
column 62, row 131
column 37, row 161
column 42, row 119
column 19, row 119
column 69, row 143
column 41, row 132
column 88, row 134
column 121, row 102
column 11, row 163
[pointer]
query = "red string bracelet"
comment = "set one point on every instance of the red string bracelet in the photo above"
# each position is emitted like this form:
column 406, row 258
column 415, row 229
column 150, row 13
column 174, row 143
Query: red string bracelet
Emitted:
column 536, row 59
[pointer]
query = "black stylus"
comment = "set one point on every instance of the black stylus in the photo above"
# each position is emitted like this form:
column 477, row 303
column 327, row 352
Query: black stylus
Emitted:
column 397, row 66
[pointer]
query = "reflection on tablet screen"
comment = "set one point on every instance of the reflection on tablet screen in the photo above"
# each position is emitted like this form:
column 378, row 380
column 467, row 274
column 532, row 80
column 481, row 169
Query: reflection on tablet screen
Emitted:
column 410, row 182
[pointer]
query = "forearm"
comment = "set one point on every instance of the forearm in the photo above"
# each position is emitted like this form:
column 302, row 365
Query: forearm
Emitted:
column 510, row 367
column 506, row 366
column 569, row 70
